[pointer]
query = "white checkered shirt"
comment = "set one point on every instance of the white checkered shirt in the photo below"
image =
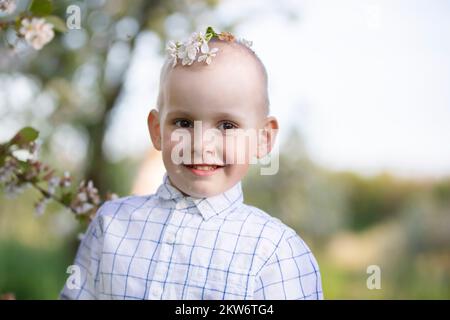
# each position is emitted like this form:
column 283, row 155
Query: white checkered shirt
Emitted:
column 169, row 246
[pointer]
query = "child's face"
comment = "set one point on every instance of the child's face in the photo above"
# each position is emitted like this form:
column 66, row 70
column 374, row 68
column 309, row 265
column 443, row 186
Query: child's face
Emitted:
column 221, row 97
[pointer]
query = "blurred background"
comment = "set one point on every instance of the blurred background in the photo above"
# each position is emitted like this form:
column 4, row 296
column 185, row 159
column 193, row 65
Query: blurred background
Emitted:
column 361, row 91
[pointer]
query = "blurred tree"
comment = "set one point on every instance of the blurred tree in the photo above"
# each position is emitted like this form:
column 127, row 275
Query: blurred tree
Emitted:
column 301, row 194
column 82, row 73
column 375, row 199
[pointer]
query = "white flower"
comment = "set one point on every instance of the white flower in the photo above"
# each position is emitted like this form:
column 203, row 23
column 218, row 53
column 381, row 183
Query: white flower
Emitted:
column 189, row 49
column 7, row 6
column 40, row 206
column 188, row 53
column 53, row 183
column 13, row 188
column 183, row 55
column 37, row 32
column 207, row 53
column 113, row 196
column 35, row 147
column 6, row 174
column 82, row 197
column 172, row 49
column 245, row 42
column 197, row 37
column 66, row 180
column 92, row 192
column 90, row 186
column 83, row 208
column 204, row 47
column 7, row 171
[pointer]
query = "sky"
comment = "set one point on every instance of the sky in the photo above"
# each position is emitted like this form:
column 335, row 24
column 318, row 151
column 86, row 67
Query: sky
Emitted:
column 366, row 81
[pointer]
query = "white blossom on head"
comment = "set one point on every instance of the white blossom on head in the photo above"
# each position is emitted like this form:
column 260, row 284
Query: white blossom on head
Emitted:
column 37, row 32
column 207, row 54
column 197, row 37
column 172, row 48
column 196, row 47
column 245, row 42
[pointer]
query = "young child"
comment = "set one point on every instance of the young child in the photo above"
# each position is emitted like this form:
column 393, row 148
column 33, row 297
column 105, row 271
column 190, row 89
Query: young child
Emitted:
column 195, row 238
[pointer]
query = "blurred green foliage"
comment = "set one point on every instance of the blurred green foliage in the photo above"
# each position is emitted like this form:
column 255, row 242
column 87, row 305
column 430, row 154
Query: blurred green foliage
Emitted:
column 32, row 273
column 352, row 221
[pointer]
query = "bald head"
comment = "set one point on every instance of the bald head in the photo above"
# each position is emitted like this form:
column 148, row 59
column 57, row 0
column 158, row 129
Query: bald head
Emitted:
column 235, row 71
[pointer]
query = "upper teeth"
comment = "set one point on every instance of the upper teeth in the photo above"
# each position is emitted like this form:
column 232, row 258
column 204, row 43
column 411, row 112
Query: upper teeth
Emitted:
column 204, row 167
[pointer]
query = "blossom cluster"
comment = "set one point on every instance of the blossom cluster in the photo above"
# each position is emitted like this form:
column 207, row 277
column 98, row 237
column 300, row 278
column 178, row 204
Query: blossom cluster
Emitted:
column 196, row 47
column 19, row 173
column 8, row 6
column 35, row 30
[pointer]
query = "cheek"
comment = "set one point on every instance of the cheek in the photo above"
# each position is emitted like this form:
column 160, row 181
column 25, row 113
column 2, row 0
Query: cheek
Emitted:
column 239, row 150
column 173, row 140
column 236, row 172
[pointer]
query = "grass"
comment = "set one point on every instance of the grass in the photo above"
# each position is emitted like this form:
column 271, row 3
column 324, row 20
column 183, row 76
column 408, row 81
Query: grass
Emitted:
column 33, row 273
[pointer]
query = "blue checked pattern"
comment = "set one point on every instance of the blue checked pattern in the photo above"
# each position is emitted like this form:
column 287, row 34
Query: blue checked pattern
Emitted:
column 169, row 246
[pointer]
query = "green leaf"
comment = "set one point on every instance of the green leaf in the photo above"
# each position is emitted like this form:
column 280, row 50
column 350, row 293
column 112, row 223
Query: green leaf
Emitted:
column 83, row 219
column 41, row 7
column 210, row 33
column 24, row 136
column 57, row 23
column 23, row 166
column 18, row 22
column 66, row 198
column 4, row 149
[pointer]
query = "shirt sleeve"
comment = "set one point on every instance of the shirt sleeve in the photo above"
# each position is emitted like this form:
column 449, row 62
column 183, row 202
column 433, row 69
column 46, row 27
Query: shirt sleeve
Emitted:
column 82, row 283
column 290, row 273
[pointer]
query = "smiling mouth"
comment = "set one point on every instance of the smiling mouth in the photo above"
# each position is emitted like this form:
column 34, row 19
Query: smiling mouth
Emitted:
column 203, row 169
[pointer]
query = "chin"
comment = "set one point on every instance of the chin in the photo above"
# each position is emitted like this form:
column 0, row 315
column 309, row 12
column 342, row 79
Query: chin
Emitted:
column 193, row 185
column 202, row 191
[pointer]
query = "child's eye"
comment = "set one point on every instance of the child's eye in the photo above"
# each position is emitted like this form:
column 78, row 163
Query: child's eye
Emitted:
column 183, row 123
column 226, row 125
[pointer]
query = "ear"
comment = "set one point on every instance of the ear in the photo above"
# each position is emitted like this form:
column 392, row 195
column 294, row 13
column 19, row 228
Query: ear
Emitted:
column 154, row 128
column 267, row 137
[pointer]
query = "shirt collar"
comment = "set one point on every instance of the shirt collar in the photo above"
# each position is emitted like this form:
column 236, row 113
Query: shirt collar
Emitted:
column 208, row 207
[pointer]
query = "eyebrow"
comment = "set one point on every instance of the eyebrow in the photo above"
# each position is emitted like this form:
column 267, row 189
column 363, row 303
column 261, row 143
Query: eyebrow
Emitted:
column 179, row 113
column 218, row 116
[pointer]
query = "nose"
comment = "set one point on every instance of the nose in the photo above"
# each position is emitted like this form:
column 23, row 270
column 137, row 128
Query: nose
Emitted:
column 206, row 143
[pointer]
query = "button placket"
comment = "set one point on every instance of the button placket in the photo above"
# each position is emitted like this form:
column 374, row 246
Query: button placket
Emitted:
column 167, row 247
column 175, row 221
column 155, row 291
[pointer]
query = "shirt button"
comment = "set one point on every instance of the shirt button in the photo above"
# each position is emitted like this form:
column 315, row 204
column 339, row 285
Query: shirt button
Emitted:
column 170, row 238
column 156, row 292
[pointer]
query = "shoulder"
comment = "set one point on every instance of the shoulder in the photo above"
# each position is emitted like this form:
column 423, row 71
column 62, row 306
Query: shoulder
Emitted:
column 282, row 246
column 270, row 226
column 273, row 235
column 124, row 204
column 121, row 209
